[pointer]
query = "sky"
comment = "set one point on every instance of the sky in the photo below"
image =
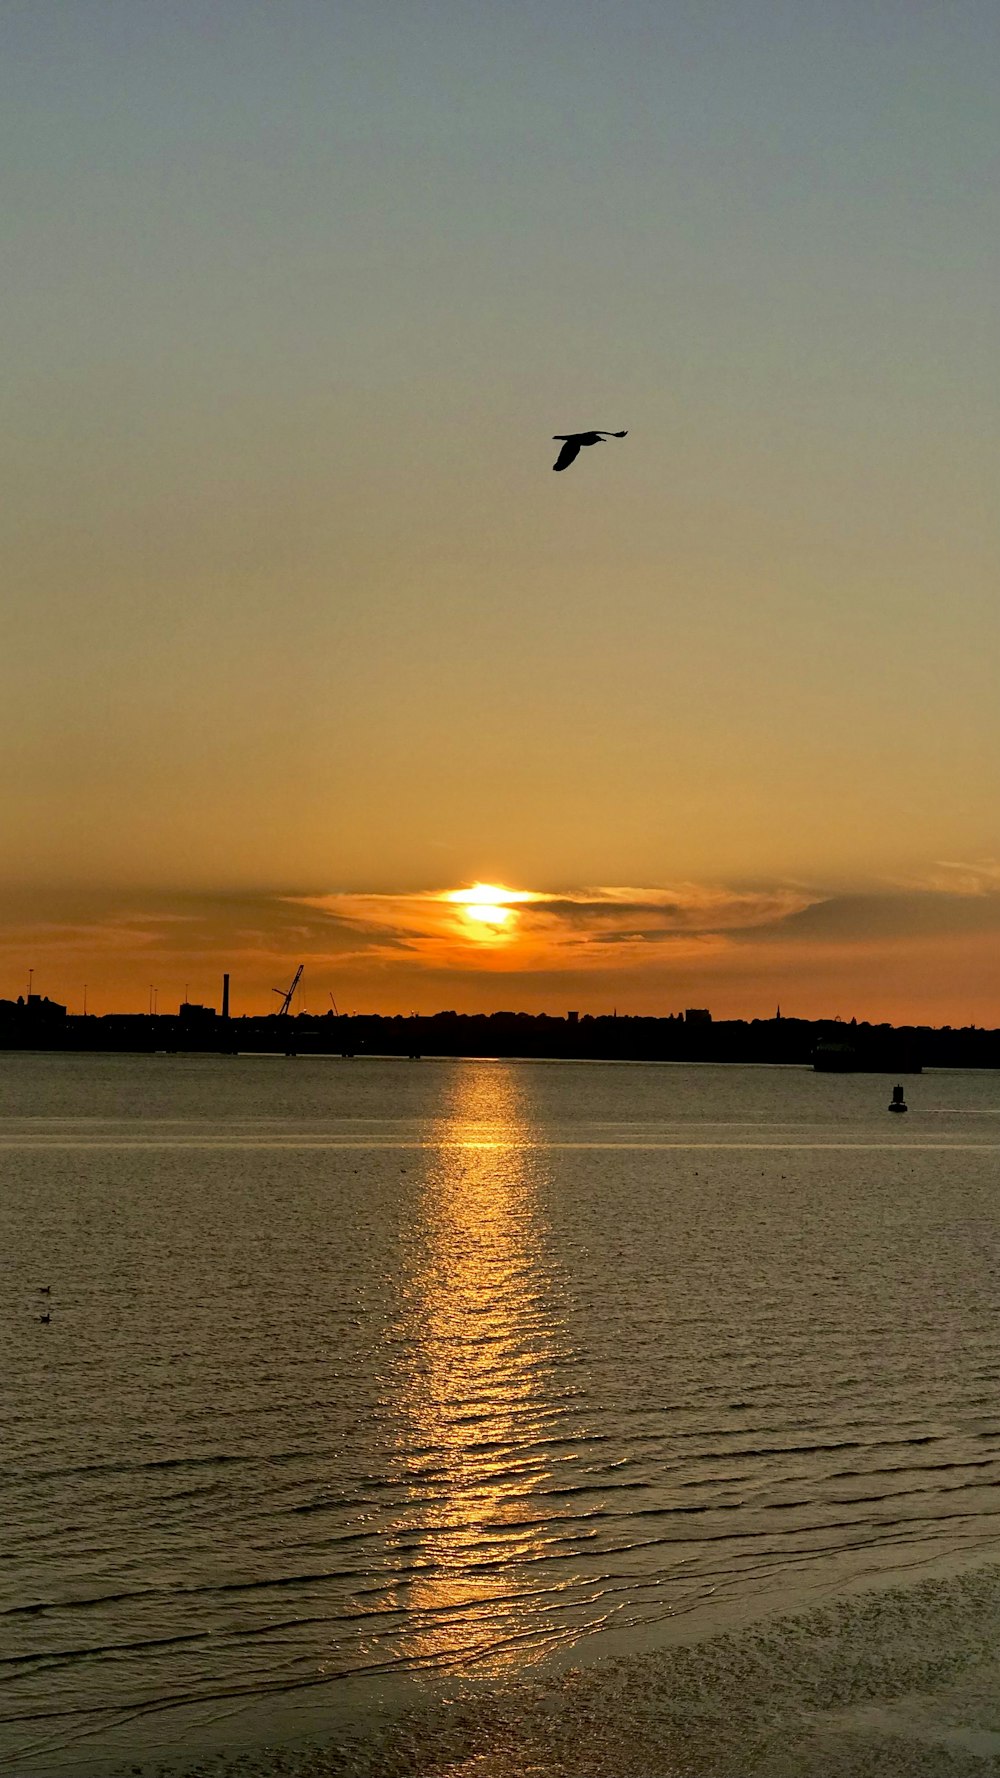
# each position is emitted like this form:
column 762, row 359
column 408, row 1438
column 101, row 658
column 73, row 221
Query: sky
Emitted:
column 302, row 634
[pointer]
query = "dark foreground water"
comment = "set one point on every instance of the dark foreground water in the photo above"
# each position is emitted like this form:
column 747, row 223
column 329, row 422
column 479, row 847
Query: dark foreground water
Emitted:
column 483, row 1418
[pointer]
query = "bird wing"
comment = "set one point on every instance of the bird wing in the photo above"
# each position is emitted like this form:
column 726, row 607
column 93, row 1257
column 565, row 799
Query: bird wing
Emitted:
column 617, row 434
column 568, row 454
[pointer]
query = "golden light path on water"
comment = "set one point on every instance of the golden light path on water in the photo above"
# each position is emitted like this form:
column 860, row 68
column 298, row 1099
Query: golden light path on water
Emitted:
column 482, row 1342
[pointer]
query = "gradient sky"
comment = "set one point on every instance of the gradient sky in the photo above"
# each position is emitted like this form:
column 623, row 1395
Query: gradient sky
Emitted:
column 301, row 632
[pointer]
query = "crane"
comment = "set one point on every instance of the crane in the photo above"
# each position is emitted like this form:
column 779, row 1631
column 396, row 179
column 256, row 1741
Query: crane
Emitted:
column 286, row 993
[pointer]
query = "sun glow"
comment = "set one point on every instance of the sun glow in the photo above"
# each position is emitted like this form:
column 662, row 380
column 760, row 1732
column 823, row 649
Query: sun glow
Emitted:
column 488, row 905
column 488, row 915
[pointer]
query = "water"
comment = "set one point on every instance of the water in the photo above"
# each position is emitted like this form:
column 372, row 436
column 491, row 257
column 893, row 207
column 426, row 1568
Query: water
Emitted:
column 400, row 1406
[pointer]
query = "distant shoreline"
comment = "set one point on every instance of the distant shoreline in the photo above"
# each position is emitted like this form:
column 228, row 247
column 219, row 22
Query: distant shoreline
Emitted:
column 827, row 1045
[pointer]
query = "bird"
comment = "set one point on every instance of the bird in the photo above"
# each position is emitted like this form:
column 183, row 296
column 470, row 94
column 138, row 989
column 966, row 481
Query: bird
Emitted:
column 45, row 1290
column 46, row 1318
column 574, row 441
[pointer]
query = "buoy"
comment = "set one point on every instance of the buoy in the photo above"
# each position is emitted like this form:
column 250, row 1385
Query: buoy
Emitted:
column 898, row 1102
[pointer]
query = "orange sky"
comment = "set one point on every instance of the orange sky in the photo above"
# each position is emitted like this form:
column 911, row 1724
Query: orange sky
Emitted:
column 301, row 633
column 924, row 952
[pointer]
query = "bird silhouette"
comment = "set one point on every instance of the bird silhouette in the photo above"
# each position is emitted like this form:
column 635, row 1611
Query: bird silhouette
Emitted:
column 45, row 1290
column 574, row 442
column 46, row 1318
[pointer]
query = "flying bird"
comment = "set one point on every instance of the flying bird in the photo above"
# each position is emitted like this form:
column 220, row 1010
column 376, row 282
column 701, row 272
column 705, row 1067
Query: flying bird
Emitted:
column 574, row 441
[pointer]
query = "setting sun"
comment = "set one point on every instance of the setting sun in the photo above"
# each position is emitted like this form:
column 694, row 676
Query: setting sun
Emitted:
column 487, row 905
column 487, row 914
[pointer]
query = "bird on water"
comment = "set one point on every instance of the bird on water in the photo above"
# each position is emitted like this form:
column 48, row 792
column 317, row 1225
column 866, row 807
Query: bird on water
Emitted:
column 573, row 443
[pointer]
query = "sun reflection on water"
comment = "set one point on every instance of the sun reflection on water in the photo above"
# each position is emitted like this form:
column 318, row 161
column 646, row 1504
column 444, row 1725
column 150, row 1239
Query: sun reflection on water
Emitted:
column 481, row 1393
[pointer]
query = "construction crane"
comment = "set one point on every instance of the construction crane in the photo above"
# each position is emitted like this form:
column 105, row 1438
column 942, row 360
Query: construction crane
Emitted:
column 287, row 993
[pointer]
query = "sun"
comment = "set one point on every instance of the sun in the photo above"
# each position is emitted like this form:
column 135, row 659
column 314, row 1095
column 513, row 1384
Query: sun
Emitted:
column 488, row 906
column 487, row 914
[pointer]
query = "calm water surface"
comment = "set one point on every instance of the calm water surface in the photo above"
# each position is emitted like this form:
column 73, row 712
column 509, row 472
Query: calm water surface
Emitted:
column 364, row 1378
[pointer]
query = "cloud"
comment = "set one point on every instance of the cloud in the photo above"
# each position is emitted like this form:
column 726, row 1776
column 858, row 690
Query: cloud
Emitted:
column 948, row 877
column 688, row 907
column 578, row 927
column 887, row 916
column 184, row 931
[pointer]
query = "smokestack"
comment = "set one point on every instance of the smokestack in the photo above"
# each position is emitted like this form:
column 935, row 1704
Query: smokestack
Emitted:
column 225, row 995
